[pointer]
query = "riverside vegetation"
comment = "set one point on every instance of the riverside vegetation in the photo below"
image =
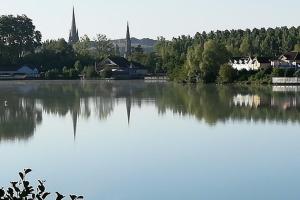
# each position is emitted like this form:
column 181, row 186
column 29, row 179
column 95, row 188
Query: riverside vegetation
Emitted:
column 202, row 58
column 22, row 189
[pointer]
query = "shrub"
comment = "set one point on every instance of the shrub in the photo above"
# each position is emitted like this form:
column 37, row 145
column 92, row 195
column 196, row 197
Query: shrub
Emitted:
column 73, row 73
column 289, row 72
column 89, row 72
column 297, row 73
column 227, row 74
column 52, row 74
column 277, row 72
column 244, row 75
column 23, row 190
column 283, row 72
column 106, row 73
column 78, row 66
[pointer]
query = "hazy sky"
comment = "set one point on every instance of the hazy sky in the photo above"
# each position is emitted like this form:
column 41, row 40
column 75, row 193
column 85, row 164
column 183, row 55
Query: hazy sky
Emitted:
column 152, row 18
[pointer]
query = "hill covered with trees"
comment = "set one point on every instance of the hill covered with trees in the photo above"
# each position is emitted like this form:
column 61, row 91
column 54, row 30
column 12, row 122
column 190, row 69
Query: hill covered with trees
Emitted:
column 200, row 57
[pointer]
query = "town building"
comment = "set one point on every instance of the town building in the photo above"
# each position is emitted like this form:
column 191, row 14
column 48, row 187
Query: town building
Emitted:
column 121, row 68
column 73, row 36
column 16, row 72
column 288, row 60
column 250, row 63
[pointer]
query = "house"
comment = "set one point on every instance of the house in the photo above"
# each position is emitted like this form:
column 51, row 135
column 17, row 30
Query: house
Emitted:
column 261, row 62
column 240, row 63
column 250, row 63
column 16, row 72
column 288, row 60
column 121, row 68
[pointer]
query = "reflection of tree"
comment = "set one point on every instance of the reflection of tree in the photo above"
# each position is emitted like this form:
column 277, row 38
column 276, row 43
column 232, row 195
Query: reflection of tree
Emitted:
column 208, row 103
column 213, row 103
column 19, row 119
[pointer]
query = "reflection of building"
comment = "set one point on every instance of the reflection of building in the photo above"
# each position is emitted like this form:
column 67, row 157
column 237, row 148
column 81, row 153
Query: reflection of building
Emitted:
column 247, row 100
column 286, row 88
column 286, row 102
column 289, row 97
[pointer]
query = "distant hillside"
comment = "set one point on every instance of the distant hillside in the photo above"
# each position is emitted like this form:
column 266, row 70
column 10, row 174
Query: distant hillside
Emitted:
column 146, row 43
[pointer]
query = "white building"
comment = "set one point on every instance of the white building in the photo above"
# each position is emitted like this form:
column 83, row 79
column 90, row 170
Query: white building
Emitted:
column 250, row 63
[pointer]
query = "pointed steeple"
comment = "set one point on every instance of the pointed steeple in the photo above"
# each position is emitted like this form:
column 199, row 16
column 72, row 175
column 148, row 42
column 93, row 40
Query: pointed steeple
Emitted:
column 128, row 43
column 73, row 37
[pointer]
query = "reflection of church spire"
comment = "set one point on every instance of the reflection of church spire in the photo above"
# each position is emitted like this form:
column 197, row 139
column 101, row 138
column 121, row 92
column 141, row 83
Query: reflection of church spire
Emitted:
column 75, row 119
column 128, row 107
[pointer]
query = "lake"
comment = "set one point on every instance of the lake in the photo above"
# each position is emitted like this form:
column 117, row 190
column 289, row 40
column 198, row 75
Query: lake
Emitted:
column 152, row 141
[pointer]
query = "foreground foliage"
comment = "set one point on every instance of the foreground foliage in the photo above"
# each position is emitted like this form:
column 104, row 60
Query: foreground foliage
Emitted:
column 23, row 190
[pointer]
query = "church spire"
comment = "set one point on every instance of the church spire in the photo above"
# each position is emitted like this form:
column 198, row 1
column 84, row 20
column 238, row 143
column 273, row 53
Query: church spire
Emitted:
column 128, row 43
column 73, row 37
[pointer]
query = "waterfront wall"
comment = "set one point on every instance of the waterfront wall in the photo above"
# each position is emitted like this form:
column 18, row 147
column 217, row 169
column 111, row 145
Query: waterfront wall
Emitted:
column 286, row 80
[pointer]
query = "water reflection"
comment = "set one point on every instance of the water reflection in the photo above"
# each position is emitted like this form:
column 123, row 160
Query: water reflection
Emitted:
column 27, row 102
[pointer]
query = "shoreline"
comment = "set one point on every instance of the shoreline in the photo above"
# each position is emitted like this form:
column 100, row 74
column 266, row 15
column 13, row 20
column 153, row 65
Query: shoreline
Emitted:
column 247, row 83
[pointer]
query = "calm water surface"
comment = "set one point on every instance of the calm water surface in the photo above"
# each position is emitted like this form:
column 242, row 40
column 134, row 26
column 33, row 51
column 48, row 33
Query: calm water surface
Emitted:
column 153, row 141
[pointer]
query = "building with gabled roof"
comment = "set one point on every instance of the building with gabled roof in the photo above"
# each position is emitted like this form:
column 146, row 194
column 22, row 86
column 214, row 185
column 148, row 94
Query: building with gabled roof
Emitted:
column 288, row 60
column 121, row 68
column 18, row 72
column 250, row 63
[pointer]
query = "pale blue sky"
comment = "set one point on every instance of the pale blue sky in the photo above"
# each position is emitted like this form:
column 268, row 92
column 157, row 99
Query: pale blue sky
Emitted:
column 153, row 18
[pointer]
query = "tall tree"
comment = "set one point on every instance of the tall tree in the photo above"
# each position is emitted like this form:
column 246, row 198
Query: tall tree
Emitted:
column 103, row 46
column 17, row 37
column 214, row 55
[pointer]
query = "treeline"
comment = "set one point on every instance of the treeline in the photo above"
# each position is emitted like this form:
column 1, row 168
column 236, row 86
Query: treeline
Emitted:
column 21, row 44
column 200, row 58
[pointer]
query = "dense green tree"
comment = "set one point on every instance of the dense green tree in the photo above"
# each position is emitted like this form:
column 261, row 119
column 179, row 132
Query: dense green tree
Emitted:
column 245, row 47
column 151, row 63
column 78, row 66
column 174, row 54
column 83, row 50
column 193, row 61
column 297, row 47
column 89, row 72
column 227, row 74
column 17, row 38
column 214, row 55
column 55, row 54
column 138, row 55
column 103, row 47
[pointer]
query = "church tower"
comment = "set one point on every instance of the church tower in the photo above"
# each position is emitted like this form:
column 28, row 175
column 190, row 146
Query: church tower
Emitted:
column 128, row 43
column 73, row 37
